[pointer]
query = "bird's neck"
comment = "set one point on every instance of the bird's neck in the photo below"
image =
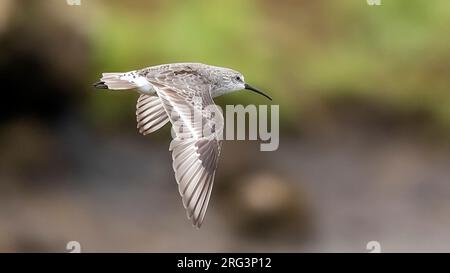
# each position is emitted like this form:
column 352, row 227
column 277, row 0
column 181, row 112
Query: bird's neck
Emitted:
column 219, row 92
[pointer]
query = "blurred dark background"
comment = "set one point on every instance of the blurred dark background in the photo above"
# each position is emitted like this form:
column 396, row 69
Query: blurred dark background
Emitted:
column 365, row 125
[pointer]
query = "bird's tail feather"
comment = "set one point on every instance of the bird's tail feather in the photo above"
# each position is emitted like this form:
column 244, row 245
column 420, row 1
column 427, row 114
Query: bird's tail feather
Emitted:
column 116, row 81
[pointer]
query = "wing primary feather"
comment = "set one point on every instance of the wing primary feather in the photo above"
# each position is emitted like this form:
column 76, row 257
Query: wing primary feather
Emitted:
column 195, row 153
column 150, row 114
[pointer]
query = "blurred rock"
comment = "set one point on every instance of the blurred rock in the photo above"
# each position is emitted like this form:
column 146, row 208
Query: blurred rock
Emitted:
column 5, row 14
column 42, row 61
column 266, row 208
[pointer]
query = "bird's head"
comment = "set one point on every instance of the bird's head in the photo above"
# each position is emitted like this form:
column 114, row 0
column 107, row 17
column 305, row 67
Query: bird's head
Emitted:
column 230, row 80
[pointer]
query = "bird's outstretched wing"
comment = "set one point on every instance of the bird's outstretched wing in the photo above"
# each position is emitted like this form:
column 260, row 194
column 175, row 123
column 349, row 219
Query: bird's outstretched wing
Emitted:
column 198, row 126
column 150, row 114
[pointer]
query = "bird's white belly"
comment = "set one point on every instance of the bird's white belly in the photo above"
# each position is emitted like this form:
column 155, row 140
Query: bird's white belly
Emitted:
column 147, row 89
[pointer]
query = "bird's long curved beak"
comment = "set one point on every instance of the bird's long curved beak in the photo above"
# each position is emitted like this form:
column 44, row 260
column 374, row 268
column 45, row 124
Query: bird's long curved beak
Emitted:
column 248, row 87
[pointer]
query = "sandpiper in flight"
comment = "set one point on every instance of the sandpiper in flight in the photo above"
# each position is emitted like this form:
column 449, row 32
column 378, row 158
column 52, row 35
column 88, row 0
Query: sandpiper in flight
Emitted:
column 173, row 92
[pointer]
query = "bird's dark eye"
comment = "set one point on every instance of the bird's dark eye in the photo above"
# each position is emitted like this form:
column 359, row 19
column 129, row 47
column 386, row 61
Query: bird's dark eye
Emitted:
column 238, row 78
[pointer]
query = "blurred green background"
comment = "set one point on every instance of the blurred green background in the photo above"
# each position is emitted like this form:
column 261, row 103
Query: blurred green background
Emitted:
column 365, row 125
